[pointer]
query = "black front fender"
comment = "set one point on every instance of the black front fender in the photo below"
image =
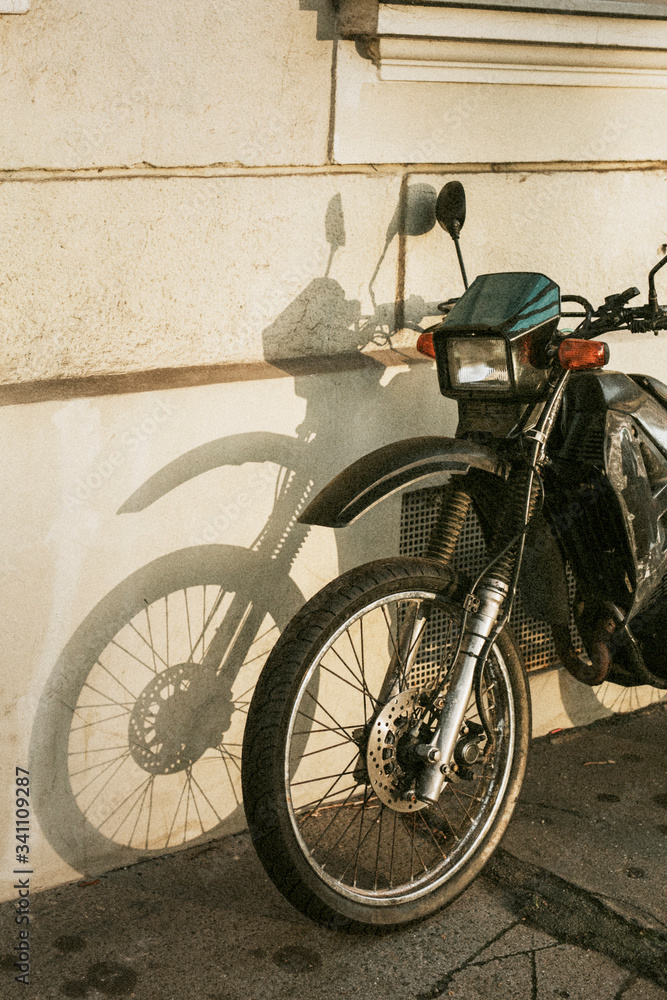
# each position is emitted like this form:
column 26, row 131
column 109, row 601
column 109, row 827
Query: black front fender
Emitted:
column 376, row 476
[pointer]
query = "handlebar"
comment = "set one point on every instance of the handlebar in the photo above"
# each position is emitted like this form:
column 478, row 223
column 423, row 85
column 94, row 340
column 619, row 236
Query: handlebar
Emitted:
column 615, row 314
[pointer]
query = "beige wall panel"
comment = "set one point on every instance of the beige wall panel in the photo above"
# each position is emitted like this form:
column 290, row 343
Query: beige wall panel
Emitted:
column 389, row 122
column 98, row 83
column 592, row 233
column 560, row 702
column 126, row 275
column 87, row 590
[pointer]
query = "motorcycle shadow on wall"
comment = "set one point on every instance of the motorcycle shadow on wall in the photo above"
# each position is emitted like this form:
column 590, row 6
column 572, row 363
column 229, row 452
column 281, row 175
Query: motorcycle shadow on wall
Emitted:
column 136, row 743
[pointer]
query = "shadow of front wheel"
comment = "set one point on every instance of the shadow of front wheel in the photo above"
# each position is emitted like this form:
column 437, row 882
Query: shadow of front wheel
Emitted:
column 136, row 744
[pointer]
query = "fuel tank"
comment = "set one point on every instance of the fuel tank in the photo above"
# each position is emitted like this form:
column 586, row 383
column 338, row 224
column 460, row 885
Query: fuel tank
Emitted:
column 609, row 485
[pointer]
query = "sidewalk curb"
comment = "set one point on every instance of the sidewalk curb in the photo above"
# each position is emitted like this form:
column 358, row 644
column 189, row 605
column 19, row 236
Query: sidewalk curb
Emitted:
column 570, row 913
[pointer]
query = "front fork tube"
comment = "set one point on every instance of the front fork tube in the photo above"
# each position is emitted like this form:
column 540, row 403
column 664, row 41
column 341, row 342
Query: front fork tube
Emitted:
column 480, row 626
column 492, row 594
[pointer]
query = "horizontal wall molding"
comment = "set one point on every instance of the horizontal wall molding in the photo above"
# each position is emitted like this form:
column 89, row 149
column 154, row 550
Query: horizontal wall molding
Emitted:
column 582, row 8
column 36, row 175
column 473, row 61
column 14, row 6
column 115, row 384
column 451, row 45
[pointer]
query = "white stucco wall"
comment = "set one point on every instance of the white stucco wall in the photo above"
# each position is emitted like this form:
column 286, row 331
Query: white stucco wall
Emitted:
column 132, row 274
column 103, row 84
column 165, row 179
column 126, row 275
column 429, row 122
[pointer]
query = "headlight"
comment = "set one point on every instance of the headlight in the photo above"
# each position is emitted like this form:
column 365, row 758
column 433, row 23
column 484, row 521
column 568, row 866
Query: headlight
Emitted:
column 479, row 362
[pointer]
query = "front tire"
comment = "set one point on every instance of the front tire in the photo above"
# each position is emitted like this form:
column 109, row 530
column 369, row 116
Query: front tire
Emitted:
column 329, row 759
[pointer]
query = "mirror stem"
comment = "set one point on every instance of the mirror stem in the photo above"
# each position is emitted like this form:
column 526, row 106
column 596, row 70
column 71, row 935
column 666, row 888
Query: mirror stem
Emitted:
column 461, row 264
column 652, row 294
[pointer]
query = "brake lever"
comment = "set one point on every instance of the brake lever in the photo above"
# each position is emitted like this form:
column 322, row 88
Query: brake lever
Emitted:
column 613, row 303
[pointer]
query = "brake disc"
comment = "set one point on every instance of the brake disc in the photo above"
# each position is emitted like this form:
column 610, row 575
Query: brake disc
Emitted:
column 391, row 783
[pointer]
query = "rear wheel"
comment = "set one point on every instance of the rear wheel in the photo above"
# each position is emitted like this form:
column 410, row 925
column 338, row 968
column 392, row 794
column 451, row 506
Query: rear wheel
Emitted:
column 330, row 763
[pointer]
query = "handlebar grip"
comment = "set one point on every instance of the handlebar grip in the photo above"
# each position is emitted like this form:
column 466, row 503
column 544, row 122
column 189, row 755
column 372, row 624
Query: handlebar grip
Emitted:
column 618, row 300
column 628, row 294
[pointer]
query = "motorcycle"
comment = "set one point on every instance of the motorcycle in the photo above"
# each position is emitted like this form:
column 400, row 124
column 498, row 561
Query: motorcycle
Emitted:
column 387, row 737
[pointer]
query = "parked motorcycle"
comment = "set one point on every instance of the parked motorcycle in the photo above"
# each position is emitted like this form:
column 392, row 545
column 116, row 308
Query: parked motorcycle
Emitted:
column 386, row 741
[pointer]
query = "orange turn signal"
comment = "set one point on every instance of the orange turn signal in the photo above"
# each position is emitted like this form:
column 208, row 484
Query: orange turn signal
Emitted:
column 577, row 355
column 425, row 345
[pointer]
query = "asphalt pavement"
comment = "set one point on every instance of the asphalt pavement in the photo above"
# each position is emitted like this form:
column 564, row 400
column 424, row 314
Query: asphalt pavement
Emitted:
column 573, row 905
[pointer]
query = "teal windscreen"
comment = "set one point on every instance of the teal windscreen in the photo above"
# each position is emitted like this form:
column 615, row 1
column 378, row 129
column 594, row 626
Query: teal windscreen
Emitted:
column 510, row 302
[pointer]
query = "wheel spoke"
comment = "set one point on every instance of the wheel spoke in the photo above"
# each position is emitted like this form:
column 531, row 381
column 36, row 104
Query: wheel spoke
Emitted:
column 326, row 729
column 343, row 680
column 377, row 850
column 361, row 827
column 391, row 858
column 333, row 746
column 317, row 803
column 333, row 819
column 393, row 642
column 325, row 710
column 360, row 664
column 360, row 845
column 420, row 816
column 415, row 849
column 309, row 781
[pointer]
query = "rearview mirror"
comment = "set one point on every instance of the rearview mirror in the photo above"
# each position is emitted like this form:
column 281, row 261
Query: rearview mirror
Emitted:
column 450, row 208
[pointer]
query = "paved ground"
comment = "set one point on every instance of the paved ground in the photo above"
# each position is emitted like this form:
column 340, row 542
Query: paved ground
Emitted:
column 574, row 905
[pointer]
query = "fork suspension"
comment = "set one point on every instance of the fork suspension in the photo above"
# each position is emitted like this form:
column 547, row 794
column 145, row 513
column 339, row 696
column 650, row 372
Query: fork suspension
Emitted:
column 492, row 594
column 456, row 503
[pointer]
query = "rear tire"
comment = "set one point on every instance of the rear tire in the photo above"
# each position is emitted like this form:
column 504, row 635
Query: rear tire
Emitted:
column 325, row 777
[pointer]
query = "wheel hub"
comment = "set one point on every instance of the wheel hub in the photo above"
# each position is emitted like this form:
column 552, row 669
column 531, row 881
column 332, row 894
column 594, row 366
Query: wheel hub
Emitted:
column 389, row 772
column 176, row 718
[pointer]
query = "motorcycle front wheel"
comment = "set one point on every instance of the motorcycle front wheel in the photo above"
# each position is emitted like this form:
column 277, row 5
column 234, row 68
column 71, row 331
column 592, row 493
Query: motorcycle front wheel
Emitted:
column 330, row 764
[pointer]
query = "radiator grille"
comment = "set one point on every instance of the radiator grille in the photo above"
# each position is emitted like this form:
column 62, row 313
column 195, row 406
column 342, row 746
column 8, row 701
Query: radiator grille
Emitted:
column 436, row 648
column 419, row 512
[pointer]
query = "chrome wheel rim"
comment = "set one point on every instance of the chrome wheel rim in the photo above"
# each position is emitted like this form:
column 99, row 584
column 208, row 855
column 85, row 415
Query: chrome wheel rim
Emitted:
column 359, row 845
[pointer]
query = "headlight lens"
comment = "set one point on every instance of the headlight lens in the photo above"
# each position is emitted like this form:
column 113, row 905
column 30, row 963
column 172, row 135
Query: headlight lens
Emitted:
column 478, row 361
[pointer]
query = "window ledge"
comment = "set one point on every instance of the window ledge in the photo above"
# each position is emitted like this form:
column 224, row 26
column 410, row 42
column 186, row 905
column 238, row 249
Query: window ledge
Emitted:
column 438, row 43
column 14, row 6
